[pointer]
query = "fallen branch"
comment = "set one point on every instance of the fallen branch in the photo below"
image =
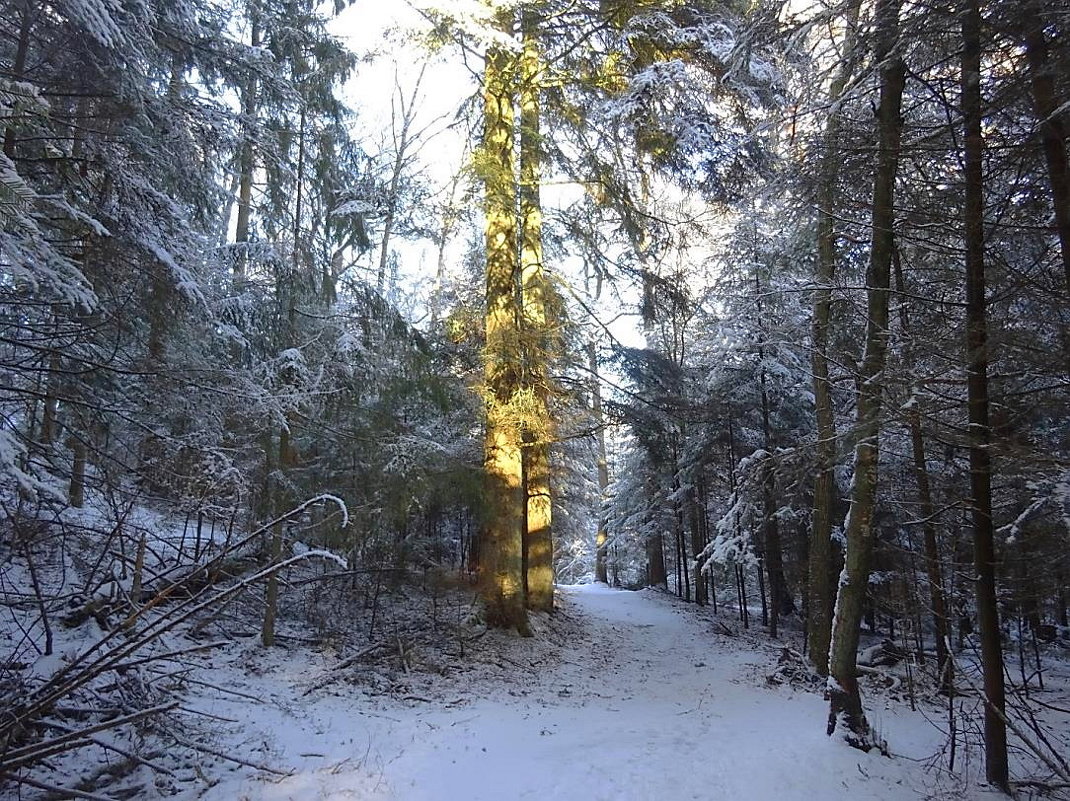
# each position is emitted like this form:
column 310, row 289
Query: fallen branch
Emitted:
column 152, row 631
column 83, row 668
column 357, row 656
column 62, row 792
column 212, row 686
column 1054, row 761
column 342, row 666
column 237, row 760
column 157, row 657
column 19, row 757
column 131, row 756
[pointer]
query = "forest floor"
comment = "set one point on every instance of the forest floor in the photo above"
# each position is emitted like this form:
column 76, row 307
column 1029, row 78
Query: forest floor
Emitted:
column 620, row 695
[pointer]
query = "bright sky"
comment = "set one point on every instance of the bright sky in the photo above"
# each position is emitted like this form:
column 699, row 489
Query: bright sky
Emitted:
column 381, row 28
column 379, row 31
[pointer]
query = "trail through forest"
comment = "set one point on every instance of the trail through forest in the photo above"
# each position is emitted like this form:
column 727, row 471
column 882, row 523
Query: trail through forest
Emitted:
column 640, row 698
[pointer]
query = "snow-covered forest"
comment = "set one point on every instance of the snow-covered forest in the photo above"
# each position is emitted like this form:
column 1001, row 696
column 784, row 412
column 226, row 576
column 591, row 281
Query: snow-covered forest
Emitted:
column 468, row 399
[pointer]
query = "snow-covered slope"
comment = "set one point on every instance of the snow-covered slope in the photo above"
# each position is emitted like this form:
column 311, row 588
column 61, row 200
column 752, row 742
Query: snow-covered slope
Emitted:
column 644, row 701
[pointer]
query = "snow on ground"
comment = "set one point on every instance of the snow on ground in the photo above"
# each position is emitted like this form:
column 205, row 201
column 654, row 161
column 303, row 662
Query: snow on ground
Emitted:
column 642, row 700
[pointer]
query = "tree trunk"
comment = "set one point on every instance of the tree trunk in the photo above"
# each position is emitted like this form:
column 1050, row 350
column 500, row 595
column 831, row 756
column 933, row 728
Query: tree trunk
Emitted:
column 655, row 561
column 501, row 548
column 271, row 594
column 1060, row 600
column 933, row 572
column 538, row 539
column 977, row 392
column 698, row 543
column 76, row 491
column 18, row 69
column 819, row 602
column 773, row 557
column 246, row 160
column 538, row 534
column 937, row 599
column 601, row 538
column 49, row 419
column 1052, row 131
column 779, row 597
column 845, row 702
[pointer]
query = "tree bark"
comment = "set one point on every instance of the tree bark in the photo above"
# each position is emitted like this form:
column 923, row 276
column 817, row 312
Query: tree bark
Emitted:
column 538, row 534
column 50, row 414
column 18, row 68
column 819, row 603
column 246, row 159
column 538, row 540
column 845, row 702
column 779, row 596
column 933, row 572
column 937, row 599
column 601, row 538
column 995, row 727
column 698, row 543
column 501, row 548
column 76, row 491
column 772, row 552
column 1052, row 131
column 656, row 574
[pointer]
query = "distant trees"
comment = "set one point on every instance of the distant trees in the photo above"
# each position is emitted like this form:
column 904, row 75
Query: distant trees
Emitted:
column 906, row 397
column 183, row 206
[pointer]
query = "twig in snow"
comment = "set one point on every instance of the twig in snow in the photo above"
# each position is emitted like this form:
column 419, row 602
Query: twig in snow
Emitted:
column 334, row 673
column 237, row 760
column 157, row 657
column 132, row 756
column 214, row 687
column 62, row 792
column 189, row 711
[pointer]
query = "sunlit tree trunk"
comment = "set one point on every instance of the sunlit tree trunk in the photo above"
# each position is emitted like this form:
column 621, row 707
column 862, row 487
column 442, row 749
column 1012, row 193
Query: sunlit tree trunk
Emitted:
column 845, row 702
column 538, row 520
column 977, row 392
column 819, row 602
column 501, row 548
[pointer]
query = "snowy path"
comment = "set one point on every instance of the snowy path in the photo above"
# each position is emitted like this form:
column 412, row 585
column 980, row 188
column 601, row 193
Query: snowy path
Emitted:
column 652, row 705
